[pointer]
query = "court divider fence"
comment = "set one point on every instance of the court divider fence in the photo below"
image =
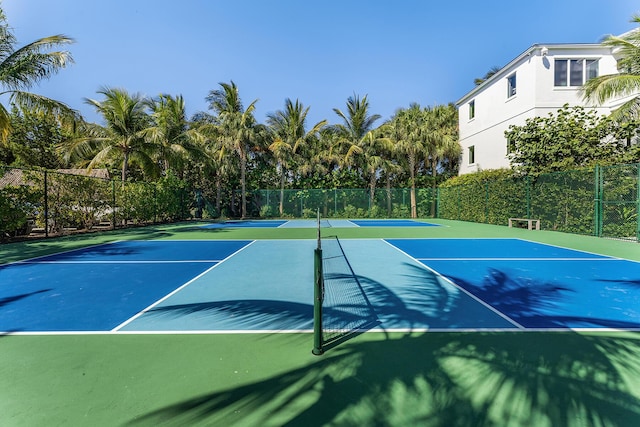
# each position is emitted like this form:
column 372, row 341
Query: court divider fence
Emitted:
column 602, row 201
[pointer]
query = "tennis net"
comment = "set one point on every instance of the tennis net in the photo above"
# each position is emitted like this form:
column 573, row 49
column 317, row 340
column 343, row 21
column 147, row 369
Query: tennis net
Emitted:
column 341, row 302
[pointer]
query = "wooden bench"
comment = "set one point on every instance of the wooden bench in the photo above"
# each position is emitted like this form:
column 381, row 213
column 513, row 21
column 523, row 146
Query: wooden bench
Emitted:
column 532, row 224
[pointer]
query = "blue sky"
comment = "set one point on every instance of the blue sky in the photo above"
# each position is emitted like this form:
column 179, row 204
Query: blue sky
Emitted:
column 320, row 52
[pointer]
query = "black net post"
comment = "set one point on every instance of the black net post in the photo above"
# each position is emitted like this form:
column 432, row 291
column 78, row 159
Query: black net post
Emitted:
column 318, row 292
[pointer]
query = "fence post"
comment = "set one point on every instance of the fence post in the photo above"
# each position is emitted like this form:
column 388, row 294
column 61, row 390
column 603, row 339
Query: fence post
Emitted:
column 598, row 180
column 638, row 202
column 113, row 206
column 528, row 190
column 46, row 205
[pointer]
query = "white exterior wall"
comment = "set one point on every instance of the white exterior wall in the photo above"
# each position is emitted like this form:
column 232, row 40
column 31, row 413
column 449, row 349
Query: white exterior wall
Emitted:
column 535, row 96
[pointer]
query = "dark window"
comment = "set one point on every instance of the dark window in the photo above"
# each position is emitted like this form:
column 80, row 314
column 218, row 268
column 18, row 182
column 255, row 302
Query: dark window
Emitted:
column 574, row 72
column 511, row 85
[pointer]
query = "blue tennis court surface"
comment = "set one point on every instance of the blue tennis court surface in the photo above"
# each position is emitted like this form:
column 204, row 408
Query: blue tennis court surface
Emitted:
column 246, row 224
column 97, row 288
column 391, row 223
column 266, row 285
column 536, row 285
column 324, row 223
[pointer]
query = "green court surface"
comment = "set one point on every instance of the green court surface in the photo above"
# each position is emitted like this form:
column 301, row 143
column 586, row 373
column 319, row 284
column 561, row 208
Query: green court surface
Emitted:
column 408, row 378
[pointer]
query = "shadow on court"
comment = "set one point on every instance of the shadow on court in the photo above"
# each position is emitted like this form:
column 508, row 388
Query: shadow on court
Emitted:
column 481, row 379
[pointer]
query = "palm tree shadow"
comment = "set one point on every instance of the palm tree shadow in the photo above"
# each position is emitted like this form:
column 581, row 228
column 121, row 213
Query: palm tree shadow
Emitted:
column 436, row 379
column 482, row 378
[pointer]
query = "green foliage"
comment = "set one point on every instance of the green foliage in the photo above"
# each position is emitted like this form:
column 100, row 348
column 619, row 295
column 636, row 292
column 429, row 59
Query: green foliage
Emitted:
column 573, row 137
column 33, row 139
column 17, row 205
column 489, row 175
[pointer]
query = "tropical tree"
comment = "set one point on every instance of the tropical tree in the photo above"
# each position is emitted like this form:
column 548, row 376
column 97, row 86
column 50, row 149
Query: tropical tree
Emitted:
column 356, row 144
column 441, row 140
column 289, row 136
column 237, row 128
column 121, row 138
column 356, row 124
column 492, row 71
column 34, row 138
column 626, row 82
column 23, row 67
column 406, row 128
column 573, row 137
column 170, row 132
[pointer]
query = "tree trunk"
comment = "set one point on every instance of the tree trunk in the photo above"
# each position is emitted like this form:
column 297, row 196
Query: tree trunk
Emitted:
column 281, row 206
column 243, row 184
column 412, row 170
column 389, row 195
column 372, row 190
column 434, row 174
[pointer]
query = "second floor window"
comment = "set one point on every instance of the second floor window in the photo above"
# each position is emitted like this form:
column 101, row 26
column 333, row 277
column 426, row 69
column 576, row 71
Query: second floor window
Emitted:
column 511, row 85
column 574, row 72
column 472, row 109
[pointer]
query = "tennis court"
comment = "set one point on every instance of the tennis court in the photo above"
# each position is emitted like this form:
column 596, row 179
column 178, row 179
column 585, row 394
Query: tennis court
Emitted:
column 211, row 324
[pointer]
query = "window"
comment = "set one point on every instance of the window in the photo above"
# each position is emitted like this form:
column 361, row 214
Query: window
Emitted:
column 472, row 109
column 472, row 154
column 511, row 85
column 574, row 72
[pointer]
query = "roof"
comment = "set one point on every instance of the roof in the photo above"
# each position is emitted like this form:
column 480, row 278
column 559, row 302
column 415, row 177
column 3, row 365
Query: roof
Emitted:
column 527, row 53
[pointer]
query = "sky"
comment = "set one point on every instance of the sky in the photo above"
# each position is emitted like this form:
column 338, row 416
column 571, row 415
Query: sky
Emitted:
column 320, row 52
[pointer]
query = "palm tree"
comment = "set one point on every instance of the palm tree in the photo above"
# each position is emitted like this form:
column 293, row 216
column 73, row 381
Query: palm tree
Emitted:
column 356, row 142
column 492, row 71
column 237, row 128
column 407, row 128
column 357, row 123
column 627, row 82
column 170, row 132
column 123, row 135
column 23, row 67
column 441, row 139
column 288, row 129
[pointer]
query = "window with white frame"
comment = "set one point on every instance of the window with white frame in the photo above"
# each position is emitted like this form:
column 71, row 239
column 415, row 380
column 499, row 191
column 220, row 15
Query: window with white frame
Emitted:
column 472, row 109
column 472, row 154
column 511, row 85
column 574, row 72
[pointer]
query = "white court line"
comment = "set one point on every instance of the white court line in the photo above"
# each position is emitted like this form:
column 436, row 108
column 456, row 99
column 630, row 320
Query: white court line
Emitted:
column 126, row 322
column 207, row 261
column 376, row 330
column 516, row 259
column 504, row 316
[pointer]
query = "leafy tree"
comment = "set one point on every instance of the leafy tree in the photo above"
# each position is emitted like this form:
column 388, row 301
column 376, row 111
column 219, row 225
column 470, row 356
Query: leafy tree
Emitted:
column 356, row 143
column 34, row 138
column 237, row 128
column 23, row 67
column 122, row 137
column 407, row 127
column 441, row 137
column 572, row 138
column 170, row 133
column 492, row 71
column 288, row 128
column 626, row 82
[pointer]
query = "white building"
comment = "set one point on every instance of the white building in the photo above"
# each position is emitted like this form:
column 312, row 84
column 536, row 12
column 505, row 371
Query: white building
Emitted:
column 539, row 81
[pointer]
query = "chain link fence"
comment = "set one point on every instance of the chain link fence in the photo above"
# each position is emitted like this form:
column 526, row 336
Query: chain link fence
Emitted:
column 342, row 203
column 61, row 202
column 602, row 201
